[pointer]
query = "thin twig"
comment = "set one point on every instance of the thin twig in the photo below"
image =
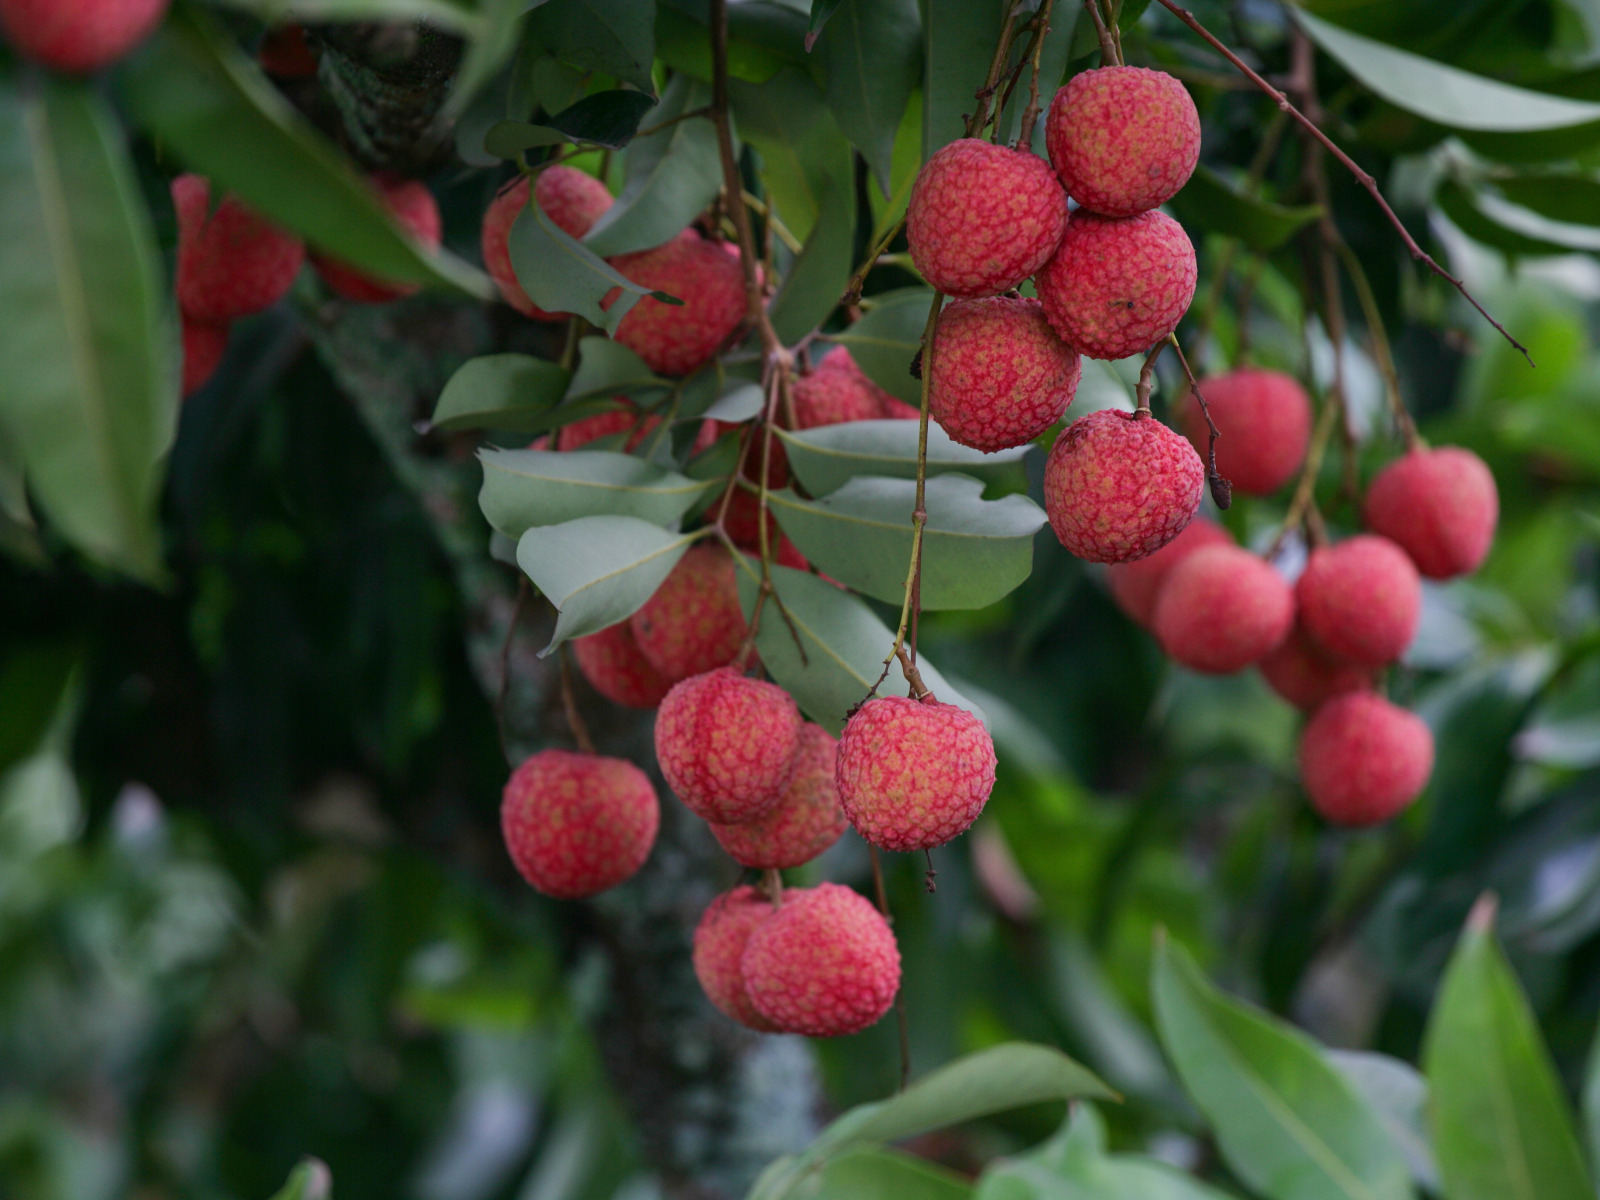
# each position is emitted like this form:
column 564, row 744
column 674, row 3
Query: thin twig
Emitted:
column 1030, row 115
column 523, row 593
column 1147, row 373
column 580, row 731
column 1303, row 499
column 919, row 515
column 757, row 206
column 1221, row 488
column 1380, row 344
column 1108, row 48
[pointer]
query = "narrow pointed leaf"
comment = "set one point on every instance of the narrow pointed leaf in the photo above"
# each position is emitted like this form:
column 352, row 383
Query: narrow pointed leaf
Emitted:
column 524, row 488
column 871, row 54
column 1398, row 1093
column 830, row 456
column 811, row 289
column 514, row 392
column 799, row 143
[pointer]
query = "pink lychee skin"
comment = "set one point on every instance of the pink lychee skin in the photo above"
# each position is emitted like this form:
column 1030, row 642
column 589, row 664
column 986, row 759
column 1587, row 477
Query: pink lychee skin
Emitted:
column 1119, row 486
column 675, row 339
column 1363, row 759
column 806, row 821
column 614, row 666
column 1123, row 139
column 1001, row 376
column 719, row 944
column 1360, row 600
column 824, row 965
column 913, row 774
column 577, row 824
column 1264, row 425
column 78, row 36
column 693, row 623
column 625, row 418
column 838, row 391
column 1118, row 285
column 1136, row 585
column 203, row 348
column 982, row 218
column 727, row 745
column 573, row 201
column 1440, row 506
column 1221, row 609
column 1306, row 677
column 231, row 262
column 413, row 205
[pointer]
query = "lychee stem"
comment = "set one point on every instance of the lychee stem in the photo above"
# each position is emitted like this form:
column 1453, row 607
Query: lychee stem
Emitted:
column 1221, row 489
column 772, row 886
column 1109, row 55
column 997, row 66
column 580, row 731
column 1380, row 344
column 504, row 691
column 1030, row 114
column 1304, row 490
column 1147, row 380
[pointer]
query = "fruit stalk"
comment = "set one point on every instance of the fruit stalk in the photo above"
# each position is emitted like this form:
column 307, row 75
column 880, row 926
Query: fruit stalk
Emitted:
column 1030, row 114
column 919, row 515
column 1380, row 344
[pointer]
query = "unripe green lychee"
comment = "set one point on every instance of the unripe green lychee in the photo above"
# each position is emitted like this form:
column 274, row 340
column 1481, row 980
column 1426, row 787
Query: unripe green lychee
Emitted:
column 614, row 666
column 719, row 944
column 1123, row 139
column 1263, row 421
column 203, row 347
column 1136, row 585
column 1440, row 506
column 78, row 36
column 1360, row 600
column 577, row 824
column 1306, row 677
column 571, row 199
column 727, row 745
column 805, row 822
column 1221, row 609
column 675, row 339
column 413, row 205
column 1363, row 759
column 693, row 623
column 231, row 261
column 1000, row 375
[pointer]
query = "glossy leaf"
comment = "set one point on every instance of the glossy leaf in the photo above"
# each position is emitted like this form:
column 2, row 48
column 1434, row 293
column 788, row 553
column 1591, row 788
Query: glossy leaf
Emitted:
column 524, row 488
column 1208, row 202
column 886, row 340
column 811, row 289
column 871, row 52
column 958, row 42
column 903, row 169
column 830, row 456
column 613, row 37
column 742, row 401
column 1398, row 1093
column 801, row 148
column 514, row 392
column 882, row 1174
column 563, row 275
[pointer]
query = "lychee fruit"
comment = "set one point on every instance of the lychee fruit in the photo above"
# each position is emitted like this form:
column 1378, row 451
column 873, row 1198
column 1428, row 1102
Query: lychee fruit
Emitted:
column 625, row 418
column 913, row 774
column 836, row 392
column 1123, row 139
column 571, row 199
column 615, row 667
column 693, row 623
column 231, row 262
column 1221, row 609
column 1360, row 600
column 982, row 218
column 1135, row 585
column 1363, row 759
column 824, row 964
column 719, row 943
column 727, row 745
column 1306, row 677
column 675, row 339
column 203, row 347
column 806, row 821
column 413, row 205
column 1263, row 425
column 1000, row 375
column 577, row 824
column 1119, row 486
column 1440, row 506
column 1118, row 285
column 78, row 36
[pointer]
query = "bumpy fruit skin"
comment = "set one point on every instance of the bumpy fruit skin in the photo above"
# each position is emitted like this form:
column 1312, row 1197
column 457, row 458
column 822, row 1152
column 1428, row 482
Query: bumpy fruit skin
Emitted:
column 982, row 218
column 414, row 207
column 577, row 824
column 1118, row 285
column 1264, row 425
column 806, row 821
column 727, row 745
column 838, row 391
column 231, row 262
column 1123, row 139
column 825, row 964
column 573, row 201
column 674, row 339
column 626, row 418
column 1001, row 376
column 1119, row 486
column 1364, row 759
column 1136, row 585
column 1221, row 609
column 1306, row 677
column 1440, row 506
column 1360, row 600
column 719, row 944
column 203, row 348
column 614, row 666
column 913, row 774
column 693, row 623
column 78, row 36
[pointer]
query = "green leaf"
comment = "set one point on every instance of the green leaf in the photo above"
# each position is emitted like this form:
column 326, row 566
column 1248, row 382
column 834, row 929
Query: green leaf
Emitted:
column 604, row 119
column 492, row 41
column 444, row 13
column 524, row 488
column 203, row 100
column 1288, row 1124
column 612, row 37
column 958, row 43
column 310, row 1180
column 1398, row 1093
column 1574, row 199
column 974, row 551
column 821, row 10
column 606, row 368
column 1466, row 211
column 830, row 456
column 903, row 169
column 764, row 36
column 801, row 148
column 513, row 392
column 1501, row 1127
column 890, row 1175
column 89, row 406
column 597, row 570
column 742, row 401
column 564, row 276
column 1209, row 202
column 811, row 289
column 871, row 53
column 884, row 342
column 1590, row 1101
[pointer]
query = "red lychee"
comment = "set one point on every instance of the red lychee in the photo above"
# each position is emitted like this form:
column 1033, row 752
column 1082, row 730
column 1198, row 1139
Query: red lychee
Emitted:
column 1136, row 585
column 1221, row 609
column 1001, row 376
column 1123, row 139
column 1364, row 759
column 674, row 339
column 836, row 392
column 1118, row 285
column 1263, row 422
column 727, row 745
column 693, row 623
column 614, row 666
column 719, row 943
column 825, row 964
column 414, row 207
column 577, row 824
column 231, row 261
column 625, row 418
column 743, row 528
column 806, row 821
column 982, row 218
column 78, row 36
column 1306, row 677
column 1119, row 486
column 571, row 199
column 203, row 347
column 1440, row 506
column 1360, row 600
column 913, row 774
